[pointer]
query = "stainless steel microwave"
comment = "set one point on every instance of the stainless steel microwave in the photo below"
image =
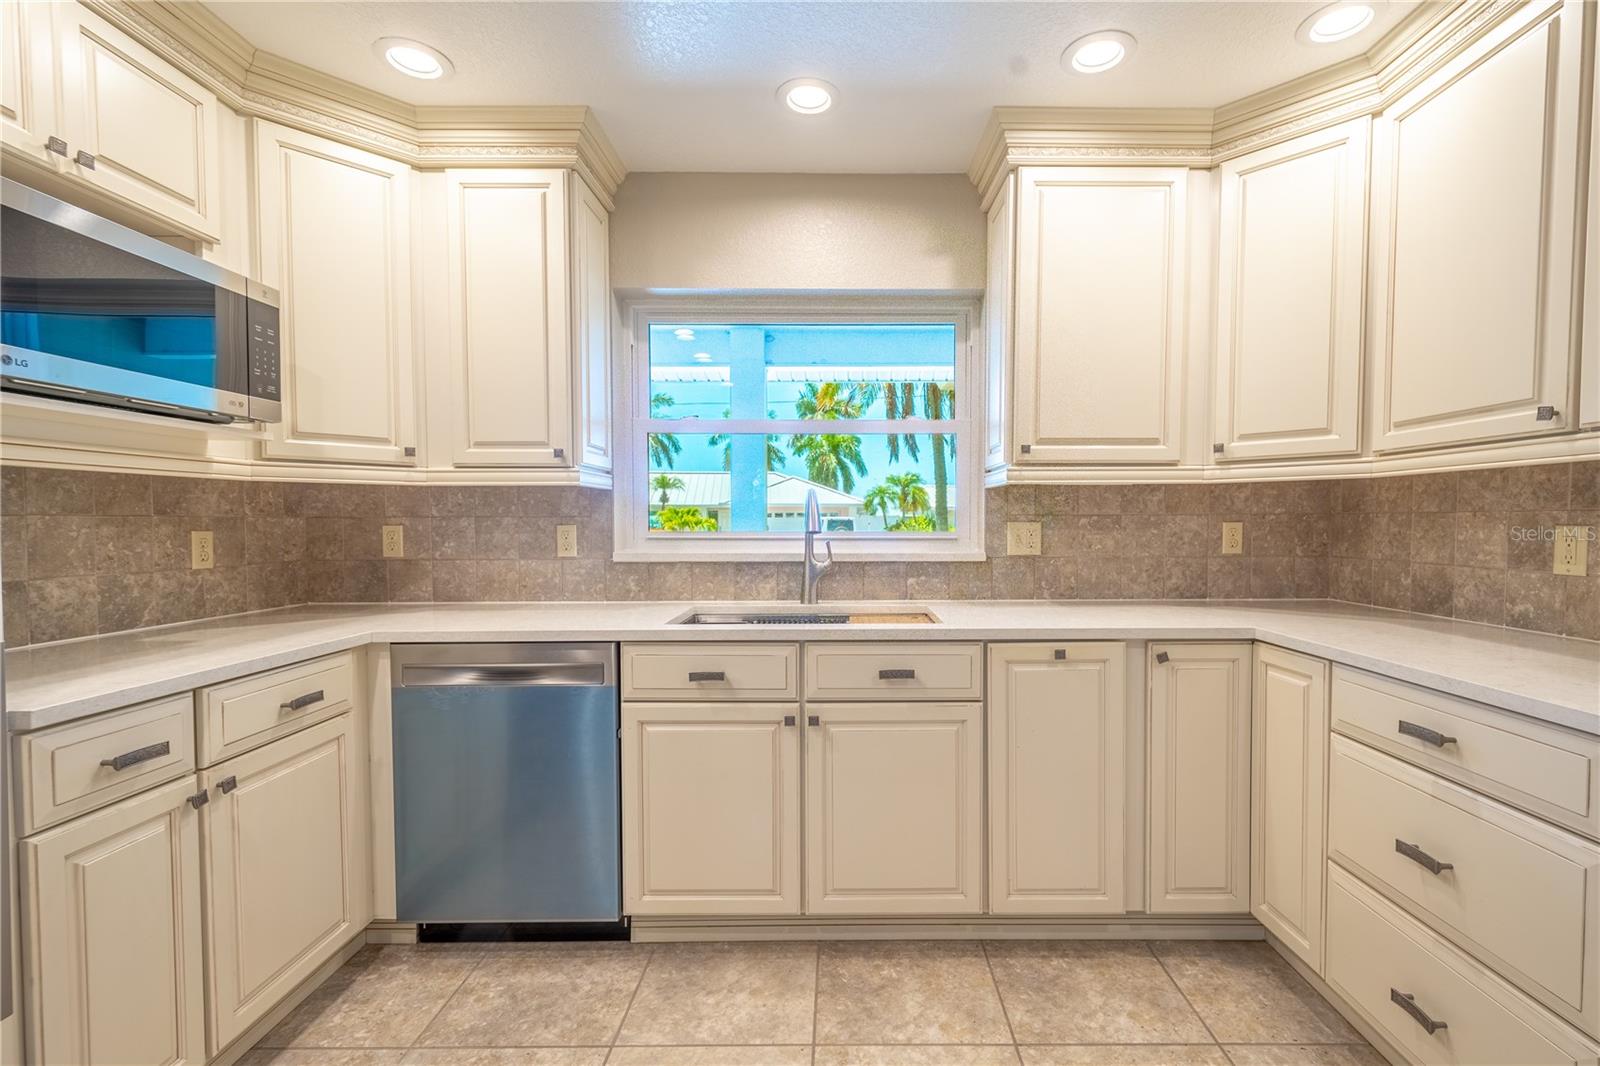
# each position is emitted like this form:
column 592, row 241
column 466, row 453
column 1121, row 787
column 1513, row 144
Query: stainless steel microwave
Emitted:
column 96, row 312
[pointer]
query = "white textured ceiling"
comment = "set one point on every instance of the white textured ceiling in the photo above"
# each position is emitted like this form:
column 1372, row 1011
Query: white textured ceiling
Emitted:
column 690, row 86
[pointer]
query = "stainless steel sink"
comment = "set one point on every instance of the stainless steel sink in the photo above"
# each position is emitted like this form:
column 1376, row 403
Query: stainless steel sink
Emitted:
column 776, row 617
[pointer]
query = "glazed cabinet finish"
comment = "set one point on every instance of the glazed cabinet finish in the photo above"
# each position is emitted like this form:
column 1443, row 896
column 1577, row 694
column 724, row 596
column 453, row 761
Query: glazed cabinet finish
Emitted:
column 112, row 942
column 1288, row 810
column 592, row 313
column 1476, row 194
column 29, row 106
column 1291, row 245
column 998, row 323
column 711, row 808
column 333, row 227
column 1199, row 774
column 1057, row 783
column 1100, row 297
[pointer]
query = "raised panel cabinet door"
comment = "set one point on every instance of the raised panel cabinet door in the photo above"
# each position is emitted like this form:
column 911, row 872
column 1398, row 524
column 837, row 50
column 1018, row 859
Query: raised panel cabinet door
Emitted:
column 29, row 106
column 112, row 957
column 1199, row 858
column 333, row 230
column 509, row 341
column 1475, row 203
column 894, row 808
column 1288, row 805
column 710, row 808
column 1291, row 245
column 591, row 325
column 997, row 324
column 284, row 856
column 1058, row 720
column 1100, row 297
column 153, row 131
column 1589, row 371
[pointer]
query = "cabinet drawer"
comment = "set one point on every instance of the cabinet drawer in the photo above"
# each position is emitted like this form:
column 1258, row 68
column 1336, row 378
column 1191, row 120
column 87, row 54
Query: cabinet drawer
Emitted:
column 1518, row 894
column 247, row 713
column 1542, row 769
column 1377, row 954
column 710, row 671
column 894, row 671
column 75, row 768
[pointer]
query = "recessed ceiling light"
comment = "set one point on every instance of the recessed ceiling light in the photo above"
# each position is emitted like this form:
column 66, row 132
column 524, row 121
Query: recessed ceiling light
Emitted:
column 1097, row 53
column 1335, row 22
column 684, row 334
column 809, row 96
column 413, row 58
column 702, row 357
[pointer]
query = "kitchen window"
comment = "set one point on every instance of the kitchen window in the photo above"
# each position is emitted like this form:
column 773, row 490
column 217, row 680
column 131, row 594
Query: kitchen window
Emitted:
column 734, row 413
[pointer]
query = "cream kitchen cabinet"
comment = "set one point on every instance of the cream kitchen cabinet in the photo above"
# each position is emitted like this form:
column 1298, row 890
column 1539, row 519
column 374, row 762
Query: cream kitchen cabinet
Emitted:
column 288, row 880
column 1476, row 198
column 894, row 808
column 710, row 808
column 997, row 324
column 112, row 941
column 1199, row 776
column 1288, row 812
column 1057, row 779
column 1100, row 293
column 333, row 233
column 1291, row 247
column 29, row 107
column 592, row 314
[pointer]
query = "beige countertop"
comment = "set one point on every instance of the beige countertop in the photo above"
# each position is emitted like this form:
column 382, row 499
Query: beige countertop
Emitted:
column 1554, row 679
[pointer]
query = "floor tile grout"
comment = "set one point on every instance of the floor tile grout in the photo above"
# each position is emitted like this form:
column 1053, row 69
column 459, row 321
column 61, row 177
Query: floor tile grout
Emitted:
column 476, row 962
column 1000, row 997
column 1187, row 1001
column 650, row 957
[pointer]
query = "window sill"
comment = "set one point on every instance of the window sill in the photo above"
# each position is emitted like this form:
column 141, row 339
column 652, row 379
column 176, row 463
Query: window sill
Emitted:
column 791, row 553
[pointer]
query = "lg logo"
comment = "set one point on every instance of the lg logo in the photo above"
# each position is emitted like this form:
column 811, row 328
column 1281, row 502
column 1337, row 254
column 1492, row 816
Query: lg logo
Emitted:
column 12, row 360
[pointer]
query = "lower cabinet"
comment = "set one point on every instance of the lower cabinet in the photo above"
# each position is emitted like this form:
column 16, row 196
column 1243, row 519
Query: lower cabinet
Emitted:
column 1199, row 772
column 285, row 858
column 1288, row 823
column 894, row 808
column 112, row 944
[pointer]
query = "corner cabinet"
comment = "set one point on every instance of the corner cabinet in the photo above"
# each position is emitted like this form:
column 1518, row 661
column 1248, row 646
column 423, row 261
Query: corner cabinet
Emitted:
column 1476, row 202
column 1101, row 262
column 333, row 231
column 1291, row 247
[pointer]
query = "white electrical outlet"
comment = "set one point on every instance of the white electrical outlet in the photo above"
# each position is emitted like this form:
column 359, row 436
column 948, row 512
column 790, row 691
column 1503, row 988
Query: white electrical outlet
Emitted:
column 202, row 550
column 1572, row 550
column 566, row 542
column 394, row 542
column 1233, row 538
column 1023, row 538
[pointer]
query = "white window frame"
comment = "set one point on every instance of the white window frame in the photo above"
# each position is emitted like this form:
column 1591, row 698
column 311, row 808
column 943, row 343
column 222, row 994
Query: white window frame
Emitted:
column 634, row 542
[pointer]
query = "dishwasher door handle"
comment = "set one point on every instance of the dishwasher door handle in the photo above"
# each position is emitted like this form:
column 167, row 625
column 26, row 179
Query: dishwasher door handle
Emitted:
column 507, row 674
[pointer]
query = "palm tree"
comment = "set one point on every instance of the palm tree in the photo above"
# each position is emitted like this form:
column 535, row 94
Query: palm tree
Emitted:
column 900, row 401
column 664, row 447
column 775, row 454
column 878, row 498
column 939, row 403
column 666, row 484
column 832, row 459
column 910, row 496
column 834, row 399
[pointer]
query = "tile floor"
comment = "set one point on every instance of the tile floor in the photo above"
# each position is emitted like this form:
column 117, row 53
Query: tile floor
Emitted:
column 945, row 1003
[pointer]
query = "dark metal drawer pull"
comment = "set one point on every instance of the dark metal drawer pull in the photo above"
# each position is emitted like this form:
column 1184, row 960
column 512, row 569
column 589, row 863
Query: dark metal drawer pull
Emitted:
column 227, row 784
column 1424, row 734
column 707, row 675
column 897, row 675
column 199, row 799
column 1162, row 657
column 1421, row 858
column 812, row 719
column 788, row 719
column 139, row 755
column 304, row 701
column 1061, row 653
column 1408, row 1003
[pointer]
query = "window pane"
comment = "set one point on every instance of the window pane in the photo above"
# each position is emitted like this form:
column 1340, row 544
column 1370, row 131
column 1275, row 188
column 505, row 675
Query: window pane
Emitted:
column 803, row 370
column 754, row 483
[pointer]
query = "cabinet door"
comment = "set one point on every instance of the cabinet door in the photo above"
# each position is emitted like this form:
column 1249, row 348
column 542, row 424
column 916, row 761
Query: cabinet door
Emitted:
column 1288, row 821
column 997, row 332
column 893, row 808
column 591, row 325
column 1589, row 372
column 710, row 808
column 333, row 229
column 284, row 853
column 1292, row 241
column 1199, row 857
column 1100, row 314
column 29, row 111
column 1475, row 193
column 151, row 129
column 1057, row 782
column 509, row 322
column 111, row 935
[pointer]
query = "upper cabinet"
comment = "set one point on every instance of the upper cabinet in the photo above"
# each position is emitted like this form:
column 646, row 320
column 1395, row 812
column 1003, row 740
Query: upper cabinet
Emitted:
column 591, row 325
column 29, row 115
column 1475, row 196
column 1291, row 243
column 1099, row 328
column 997, row 322
column 333, row 232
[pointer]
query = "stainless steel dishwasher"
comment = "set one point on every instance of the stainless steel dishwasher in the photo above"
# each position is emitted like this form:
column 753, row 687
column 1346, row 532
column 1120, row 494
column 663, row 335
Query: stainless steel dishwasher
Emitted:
column 506, row 783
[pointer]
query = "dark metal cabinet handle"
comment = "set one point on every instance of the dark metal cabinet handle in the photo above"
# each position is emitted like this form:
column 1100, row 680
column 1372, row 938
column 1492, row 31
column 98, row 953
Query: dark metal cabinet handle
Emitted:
column 707, row 675
column 138, row 755
column 1424, row 734
column 1421, row 858
column 812, row 719
column 788, row 719
column 227, row 784
column 304, row 701
column 1061, row 653
column 1546, row 413
column 897, row 675
column 199, row 799
column 1408, row 1003
column 56, row 145
column 1162, row 657
column 84, row 159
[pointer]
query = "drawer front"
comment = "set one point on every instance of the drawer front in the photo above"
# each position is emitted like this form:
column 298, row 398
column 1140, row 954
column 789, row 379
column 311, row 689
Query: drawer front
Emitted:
column 710, row 671
column 1542, row 769
column 1376, row 954
column 894, row 671
column 75, row 768
column 1513, row 891
column 245, row 714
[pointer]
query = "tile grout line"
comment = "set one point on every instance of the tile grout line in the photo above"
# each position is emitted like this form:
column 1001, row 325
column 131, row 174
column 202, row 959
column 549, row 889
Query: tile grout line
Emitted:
column 1000, row 997
column 816, row 1000
column 1187, row 1001
column 650, row 956
column 476, row 962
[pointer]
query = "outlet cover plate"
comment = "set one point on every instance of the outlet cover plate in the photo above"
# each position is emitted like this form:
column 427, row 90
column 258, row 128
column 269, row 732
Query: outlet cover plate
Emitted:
column 1233, row 538
column 566, row 542
column 202, row 550
column 1023, row 538
column 1572, row 550
column 394, row 542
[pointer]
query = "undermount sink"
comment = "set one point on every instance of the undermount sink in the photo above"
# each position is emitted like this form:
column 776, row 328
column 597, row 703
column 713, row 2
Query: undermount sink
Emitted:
column 780, row 617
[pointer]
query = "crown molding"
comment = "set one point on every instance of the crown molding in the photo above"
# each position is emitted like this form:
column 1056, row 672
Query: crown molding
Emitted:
column 260, row 84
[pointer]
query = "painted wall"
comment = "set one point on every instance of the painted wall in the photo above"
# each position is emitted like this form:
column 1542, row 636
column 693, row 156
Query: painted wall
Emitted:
column 797, row 231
